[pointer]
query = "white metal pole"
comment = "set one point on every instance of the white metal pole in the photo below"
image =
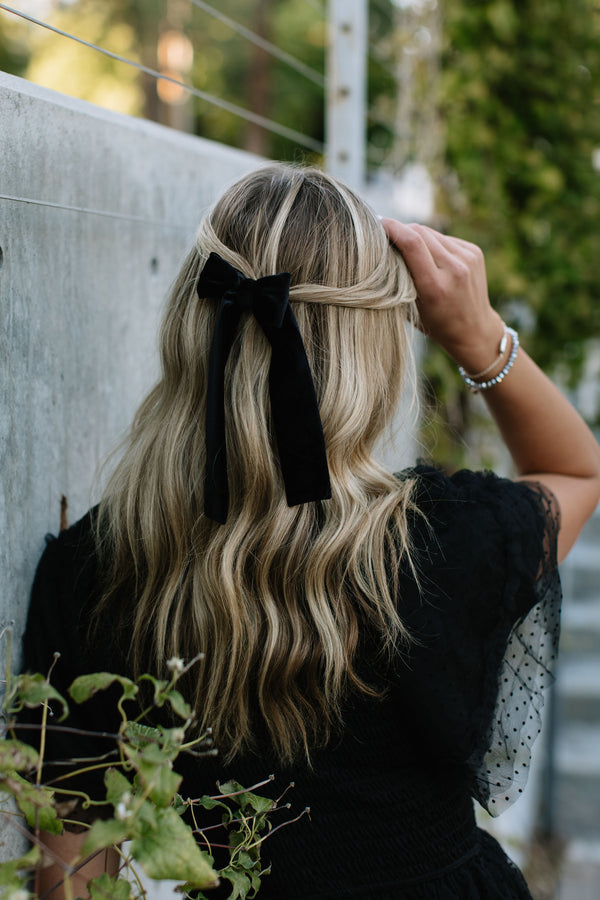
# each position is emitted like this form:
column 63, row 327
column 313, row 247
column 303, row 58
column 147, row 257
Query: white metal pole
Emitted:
column 346, row 90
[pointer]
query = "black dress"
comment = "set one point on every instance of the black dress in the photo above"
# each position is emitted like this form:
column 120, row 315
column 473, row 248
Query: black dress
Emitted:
column 390, row 797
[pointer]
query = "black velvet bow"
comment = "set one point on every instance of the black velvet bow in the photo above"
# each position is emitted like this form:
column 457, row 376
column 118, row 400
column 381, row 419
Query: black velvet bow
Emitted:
column 294, row 408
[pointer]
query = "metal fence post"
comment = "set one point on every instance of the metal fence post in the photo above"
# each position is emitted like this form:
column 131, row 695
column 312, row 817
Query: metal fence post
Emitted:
column 345, row 124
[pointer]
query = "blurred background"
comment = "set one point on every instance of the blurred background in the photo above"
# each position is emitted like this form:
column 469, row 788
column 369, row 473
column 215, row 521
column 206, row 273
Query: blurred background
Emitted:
column 480, row 118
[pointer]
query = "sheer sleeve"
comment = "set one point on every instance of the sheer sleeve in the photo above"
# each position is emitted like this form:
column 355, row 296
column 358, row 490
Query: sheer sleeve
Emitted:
column 486, row 623
column 501, row 761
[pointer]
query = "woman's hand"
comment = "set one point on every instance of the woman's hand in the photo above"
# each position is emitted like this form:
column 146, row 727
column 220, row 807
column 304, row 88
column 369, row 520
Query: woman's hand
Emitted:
column 453, row 303
column 548, row 440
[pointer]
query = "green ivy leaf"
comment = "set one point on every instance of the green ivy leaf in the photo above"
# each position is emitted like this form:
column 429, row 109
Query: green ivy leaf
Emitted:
column 104, row 833
column 17, row 755
column 179, row 804
column 179, row 705
column 239, row 881
column 32, row 690
column 86, row 686
column 246, row 798
column 166, row 848
column 207, row 802
column 9, row 870
column 106, row 888
column 164, row 783
column 116, row 786
column 35, row 802
column 159, row 688
column 141, row 735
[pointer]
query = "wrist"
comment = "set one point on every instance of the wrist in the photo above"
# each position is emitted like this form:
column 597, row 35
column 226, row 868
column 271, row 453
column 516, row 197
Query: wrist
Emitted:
column 481, row 350
column 499, row 369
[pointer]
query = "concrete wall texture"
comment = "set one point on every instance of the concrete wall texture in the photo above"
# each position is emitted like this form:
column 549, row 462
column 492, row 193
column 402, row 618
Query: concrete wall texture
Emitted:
column 80, row 297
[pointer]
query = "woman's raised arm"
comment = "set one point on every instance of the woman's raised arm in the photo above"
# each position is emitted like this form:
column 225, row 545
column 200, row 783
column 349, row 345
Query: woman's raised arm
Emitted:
column 547, row 439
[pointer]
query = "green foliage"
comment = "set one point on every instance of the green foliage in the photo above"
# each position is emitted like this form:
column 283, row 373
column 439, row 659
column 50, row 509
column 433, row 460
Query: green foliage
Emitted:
column 520, row 95
column 141, row 789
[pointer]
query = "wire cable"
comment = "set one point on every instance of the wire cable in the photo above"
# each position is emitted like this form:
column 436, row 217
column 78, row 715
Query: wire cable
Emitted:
column 267, row 46
column 268, row 124
column 98, row 212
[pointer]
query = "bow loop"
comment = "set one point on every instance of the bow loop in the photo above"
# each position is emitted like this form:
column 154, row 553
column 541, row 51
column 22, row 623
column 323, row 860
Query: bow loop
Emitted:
column 294, row 406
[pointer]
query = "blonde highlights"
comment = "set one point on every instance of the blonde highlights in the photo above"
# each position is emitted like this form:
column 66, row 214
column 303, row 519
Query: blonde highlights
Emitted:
column 278, row 598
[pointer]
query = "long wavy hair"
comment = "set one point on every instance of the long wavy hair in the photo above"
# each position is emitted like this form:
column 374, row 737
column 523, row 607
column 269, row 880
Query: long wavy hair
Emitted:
column 278, row 597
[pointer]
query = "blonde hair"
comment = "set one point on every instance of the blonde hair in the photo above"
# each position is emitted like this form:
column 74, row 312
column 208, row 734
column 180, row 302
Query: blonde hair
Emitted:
column 278, row 597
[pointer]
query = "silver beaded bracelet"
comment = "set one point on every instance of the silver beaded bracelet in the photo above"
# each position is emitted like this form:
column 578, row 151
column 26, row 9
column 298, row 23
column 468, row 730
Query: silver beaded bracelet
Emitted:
column 477, row 386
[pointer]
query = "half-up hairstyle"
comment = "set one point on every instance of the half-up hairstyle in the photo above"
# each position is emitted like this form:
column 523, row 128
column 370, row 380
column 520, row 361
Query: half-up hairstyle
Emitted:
column 278, row 597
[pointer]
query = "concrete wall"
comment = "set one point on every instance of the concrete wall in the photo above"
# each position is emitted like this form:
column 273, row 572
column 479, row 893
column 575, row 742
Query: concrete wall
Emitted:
column 80, row 295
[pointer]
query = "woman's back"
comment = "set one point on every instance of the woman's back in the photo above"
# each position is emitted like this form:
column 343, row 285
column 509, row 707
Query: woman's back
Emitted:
column 391, row 794
column 379, row 640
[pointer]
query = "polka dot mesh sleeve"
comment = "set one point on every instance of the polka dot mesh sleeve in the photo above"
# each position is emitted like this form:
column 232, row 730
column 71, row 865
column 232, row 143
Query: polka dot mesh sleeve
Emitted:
column 502, row 769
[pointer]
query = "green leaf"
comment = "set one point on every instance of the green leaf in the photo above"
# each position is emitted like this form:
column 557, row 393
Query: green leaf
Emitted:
column 246, row 798
column 86, row 686
column 210, row 803
column 179, row 804
column 159, row 688
column 165, row 784
column 17, row 755
column 140, row 735
column 116, row 786
column 9, row 870
column 106, row 888
column 240, row 883
column 179, row 705
column 104, row 833
column 32, row 690
column 153, row 765
column 15, row 891
column 35, row 802
column 166, row 848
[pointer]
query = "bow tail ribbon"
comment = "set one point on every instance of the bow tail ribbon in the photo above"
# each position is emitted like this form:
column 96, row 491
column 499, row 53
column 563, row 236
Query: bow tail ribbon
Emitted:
column 294, row 408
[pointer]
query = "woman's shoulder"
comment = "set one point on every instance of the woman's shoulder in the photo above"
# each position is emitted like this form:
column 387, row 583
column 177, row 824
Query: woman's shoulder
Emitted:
column 484, row 530
column 511, row 506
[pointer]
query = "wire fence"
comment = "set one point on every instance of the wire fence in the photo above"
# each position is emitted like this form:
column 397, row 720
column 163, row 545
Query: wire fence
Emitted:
column 270, row 125
column 293, row 62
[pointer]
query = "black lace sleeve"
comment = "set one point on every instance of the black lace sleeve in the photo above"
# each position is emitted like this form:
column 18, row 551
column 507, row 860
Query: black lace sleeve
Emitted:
column 501, row 762
column 488, row 619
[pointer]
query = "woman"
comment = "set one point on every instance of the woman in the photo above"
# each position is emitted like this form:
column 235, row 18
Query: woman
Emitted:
column 382, row 640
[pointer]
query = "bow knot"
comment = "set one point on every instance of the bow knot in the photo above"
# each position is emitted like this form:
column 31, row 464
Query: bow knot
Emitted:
column 294, row 406
column 266, row 297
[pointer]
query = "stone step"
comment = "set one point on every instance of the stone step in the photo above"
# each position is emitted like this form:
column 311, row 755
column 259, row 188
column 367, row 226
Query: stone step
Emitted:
column 578, row 750
column 576, row 805
column 579, row 676
column 585, row 555
column 580, row 876
column 573, row 710
column 575, row 643
column 581, row 615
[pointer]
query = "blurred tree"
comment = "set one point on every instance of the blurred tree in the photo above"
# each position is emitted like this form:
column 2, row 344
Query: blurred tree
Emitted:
column 14, row 54
column 519, row 109
column 520, row 99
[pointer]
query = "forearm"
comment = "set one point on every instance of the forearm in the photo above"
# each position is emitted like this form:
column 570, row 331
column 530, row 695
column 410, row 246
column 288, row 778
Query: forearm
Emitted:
column 540, row 428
